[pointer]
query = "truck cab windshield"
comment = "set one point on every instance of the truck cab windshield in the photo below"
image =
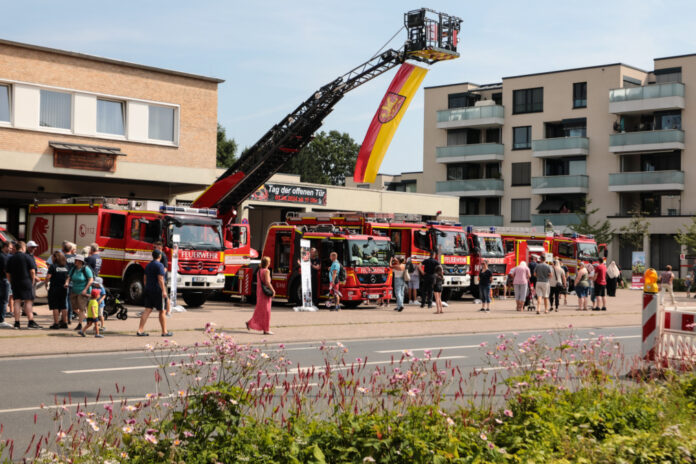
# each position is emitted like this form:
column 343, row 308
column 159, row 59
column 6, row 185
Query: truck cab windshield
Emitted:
column 587, row 251
column 451, row 242
column 197, row 236
column 490, row 246
column 369, row 252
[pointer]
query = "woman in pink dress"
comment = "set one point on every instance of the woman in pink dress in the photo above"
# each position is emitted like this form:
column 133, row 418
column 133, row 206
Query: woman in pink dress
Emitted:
column 261, row 320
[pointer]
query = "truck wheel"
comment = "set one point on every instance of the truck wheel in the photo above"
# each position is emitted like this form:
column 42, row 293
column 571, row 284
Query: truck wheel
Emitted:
column 194, row 300
column 134, row 288
column 296, row 293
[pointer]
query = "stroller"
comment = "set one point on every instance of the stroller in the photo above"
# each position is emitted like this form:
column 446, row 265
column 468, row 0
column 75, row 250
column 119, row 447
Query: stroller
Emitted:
column 529, row 299
column 112, row 305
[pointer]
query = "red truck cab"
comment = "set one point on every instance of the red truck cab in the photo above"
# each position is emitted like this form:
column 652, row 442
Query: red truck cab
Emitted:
column 486, row 244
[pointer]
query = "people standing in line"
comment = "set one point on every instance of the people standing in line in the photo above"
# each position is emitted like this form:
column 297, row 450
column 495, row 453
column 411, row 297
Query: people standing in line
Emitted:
column 261, row 320
column 582, row 287
column 542, row 287
column 92, row 315
column 485, row 278
column 666, row 285
column 428, row 281
column 334, row 279
column 4, row 283
column 415, row 272
column 155, row 295
column 520, row 281
column 557, row 282
column 613, row 276
column 21, row 272
column 94, row 260
column 57, row 292
column 80, row 279
column 69, row 252
column 398, row 271
column 438, row 283
column 600, row 287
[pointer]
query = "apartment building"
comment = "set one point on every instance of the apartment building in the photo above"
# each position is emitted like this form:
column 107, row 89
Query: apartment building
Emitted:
column 535, row 147
column 80, row 125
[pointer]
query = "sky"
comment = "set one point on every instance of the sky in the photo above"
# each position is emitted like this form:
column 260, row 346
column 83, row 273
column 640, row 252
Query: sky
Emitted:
column 274, row 54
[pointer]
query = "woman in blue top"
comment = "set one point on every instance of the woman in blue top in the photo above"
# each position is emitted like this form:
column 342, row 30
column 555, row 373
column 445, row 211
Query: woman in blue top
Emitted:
column 81, row 278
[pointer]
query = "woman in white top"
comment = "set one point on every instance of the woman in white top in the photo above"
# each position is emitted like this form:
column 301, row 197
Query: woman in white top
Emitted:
column 414, row 283
column 398, row 269
column 557, row 282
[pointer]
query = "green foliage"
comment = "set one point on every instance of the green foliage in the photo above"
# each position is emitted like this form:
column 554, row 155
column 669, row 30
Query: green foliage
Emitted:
column 328, row 159
column 686, row 235
column 602, row 231
column 633, row 233
column 226, row 149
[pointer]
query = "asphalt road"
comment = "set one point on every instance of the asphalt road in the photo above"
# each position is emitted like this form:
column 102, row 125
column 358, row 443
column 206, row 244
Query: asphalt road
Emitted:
column 31, row 381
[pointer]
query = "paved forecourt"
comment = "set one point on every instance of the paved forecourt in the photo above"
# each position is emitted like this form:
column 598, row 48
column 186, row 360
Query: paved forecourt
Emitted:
column 462, row 316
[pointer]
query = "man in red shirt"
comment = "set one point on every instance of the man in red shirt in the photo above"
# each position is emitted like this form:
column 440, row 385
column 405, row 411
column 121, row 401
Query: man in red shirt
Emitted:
column 600, row 287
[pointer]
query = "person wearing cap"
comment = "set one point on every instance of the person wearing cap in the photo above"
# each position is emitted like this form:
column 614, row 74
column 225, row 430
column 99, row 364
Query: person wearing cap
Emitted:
column 31, row 251
column 94, row 260
column 92, row 314
column 81, row 278
column 21, row 272
column 99, row 285
column 155, row 294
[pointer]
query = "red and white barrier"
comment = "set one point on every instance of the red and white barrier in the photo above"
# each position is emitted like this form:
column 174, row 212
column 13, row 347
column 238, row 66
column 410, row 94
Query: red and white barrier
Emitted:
column 678, row 338
column 651, row 329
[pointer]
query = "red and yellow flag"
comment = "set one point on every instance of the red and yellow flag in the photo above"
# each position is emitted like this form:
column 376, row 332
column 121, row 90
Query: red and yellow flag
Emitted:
column 386, row 120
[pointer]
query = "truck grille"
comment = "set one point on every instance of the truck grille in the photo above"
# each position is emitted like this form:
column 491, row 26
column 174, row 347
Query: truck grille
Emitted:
column 455, row 269
column 199, row 266
column 497, row 268
column 372, row 279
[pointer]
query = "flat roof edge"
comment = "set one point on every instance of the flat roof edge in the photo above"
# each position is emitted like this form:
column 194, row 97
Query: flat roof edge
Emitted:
column 577, row 69
column 110, row 61
column 674, row 56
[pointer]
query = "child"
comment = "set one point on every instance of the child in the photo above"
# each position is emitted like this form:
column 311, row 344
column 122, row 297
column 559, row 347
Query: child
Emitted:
column 99, row 285
column 92, row 314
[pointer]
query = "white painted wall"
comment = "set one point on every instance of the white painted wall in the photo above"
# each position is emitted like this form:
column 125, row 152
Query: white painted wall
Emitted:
column 138, row 121
column 85, row 114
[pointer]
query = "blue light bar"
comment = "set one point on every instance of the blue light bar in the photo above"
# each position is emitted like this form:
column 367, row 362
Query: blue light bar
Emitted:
column 209, row 212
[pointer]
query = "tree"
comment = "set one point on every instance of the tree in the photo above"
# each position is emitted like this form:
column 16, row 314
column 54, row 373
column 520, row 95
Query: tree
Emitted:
column 226, row 149
column 327, row 159
column 633, row 233
column 602, row 231
column 686, row 236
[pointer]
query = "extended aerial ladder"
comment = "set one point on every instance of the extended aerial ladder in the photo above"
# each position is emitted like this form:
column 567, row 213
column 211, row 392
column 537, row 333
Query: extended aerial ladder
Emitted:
column 432, row 37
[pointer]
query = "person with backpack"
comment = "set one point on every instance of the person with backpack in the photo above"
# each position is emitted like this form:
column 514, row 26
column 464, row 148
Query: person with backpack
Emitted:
column 335, row 280
column 80, row 278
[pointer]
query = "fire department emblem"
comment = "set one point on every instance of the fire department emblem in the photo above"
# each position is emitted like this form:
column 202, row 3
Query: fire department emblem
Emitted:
column 391, row 105
column 199, row 265
column 38, row 234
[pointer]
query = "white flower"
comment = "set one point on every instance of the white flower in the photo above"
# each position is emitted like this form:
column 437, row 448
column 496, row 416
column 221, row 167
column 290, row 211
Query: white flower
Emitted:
column 450, row 421
column 127, row 429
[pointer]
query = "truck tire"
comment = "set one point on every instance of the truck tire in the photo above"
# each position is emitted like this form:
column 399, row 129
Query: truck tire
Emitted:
column 134, row 289
column 296, row 293
column 446, row 294
column 194, row 299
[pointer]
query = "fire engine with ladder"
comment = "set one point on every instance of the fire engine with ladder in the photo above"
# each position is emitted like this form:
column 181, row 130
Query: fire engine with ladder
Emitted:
column 431, row 37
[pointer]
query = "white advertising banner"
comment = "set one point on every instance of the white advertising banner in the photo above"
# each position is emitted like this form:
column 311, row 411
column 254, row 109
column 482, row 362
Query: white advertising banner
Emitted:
column 174, row 276
column 306, row 276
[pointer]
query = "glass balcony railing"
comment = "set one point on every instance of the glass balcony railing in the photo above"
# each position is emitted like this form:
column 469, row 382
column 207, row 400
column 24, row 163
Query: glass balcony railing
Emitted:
column 646, row 138
column 471, row 113
column 561, row 143
column 469, row 185
column 481, row 220
column 557, row 219
column 560, row 182
column 473, row 150
column 673, row 89
column 646, row 178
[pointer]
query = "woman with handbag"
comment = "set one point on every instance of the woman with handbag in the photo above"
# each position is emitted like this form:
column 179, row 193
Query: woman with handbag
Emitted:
column 261, row 320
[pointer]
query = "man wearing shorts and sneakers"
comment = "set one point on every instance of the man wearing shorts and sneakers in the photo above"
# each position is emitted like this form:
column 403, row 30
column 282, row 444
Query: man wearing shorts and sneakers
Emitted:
column 155, row 294
column 542, row 272
column 21, row 272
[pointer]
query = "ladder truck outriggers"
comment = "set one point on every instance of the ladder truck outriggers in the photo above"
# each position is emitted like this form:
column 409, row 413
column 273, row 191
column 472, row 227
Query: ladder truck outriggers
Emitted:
column 431, row 37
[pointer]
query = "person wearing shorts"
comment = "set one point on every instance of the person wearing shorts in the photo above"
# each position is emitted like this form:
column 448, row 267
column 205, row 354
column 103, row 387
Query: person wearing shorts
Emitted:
column 520, row 282
column 414, row 272
column 79, row 281
column 542, row 271
column 155, row 294
column 582, row 287
column 57, row 293
column 21, row 272
column 92, row 315
column 600, row 287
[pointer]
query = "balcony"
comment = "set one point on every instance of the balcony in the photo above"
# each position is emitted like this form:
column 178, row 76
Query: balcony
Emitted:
column 658, row 140
column 654, row 97
column 561, row 146
column 560, row 184
column 482, row 220
column 646, row 181
column 557, row 219
column 474, row 116
column 470, row 153
column 471, row 187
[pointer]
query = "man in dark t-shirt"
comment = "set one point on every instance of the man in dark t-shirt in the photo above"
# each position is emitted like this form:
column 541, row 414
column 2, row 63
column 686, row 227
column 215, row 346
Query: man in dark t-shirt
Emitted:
column 21, row 271
column 94, row 259
column 429, row 267
column 155, row 294
column 4, row 283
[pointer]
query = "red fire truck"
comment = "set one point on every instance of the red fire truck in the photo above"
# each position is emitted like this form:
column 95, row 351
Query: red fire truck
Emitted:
column 365, row 258
column 126, row 231
column 486, row 243
column 410, row 237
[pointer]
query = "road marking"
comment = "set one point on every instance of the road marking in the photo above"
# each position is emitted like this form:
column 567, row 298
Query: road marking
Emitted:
column 81, row 404
column 609, row 338
column 431, row 349
column 337, row 367
column 110, row 369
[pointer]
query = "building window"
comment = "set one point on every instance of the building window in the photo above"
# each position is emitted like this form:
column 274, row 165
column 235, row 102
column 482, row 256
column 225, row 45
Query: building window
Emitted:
column 520, row 210
column 521, row 174
column 110, row 117
column 5, row 103
column 363, row 186
column 493, row 206
column 570, row 166
column 463, row 171
column 468, row 206
column 522, row 138
column 56, row 109
column 528, row 101
column 664, row 250
column 161, row 123
column 462, row 100
column 668, row 75
column 580, row 95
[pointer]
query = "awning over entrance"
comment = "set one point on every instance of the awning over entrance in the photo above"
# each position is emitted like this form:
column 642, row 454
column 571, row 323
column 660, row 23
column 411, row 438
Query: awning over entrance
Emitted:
column 87, row 157
column 79, row 147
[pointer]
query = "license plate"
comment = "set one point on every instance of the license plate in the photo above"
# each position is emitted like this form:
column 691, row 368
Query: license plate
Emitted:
column 374, row 297
column 455, row 281
column 199, row 279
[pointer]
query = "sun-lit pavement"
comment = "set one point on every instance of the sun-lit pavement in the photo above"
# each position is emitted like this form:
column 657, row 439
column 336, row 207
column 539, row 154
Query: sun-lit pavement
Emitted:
column 462, row 316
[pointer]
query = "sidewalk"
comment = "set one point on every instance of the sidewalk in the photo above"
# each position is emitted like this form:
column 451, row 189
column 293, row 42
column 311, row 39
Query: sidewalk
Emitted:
column 462, row 316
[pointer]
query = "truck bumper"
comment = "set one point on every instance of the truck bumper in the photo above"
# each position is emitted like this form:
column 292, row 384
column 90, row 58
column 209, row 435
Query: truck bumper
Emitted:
column 185, row 282
column 367, row 294
column 499, row 281
column 460, row 281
